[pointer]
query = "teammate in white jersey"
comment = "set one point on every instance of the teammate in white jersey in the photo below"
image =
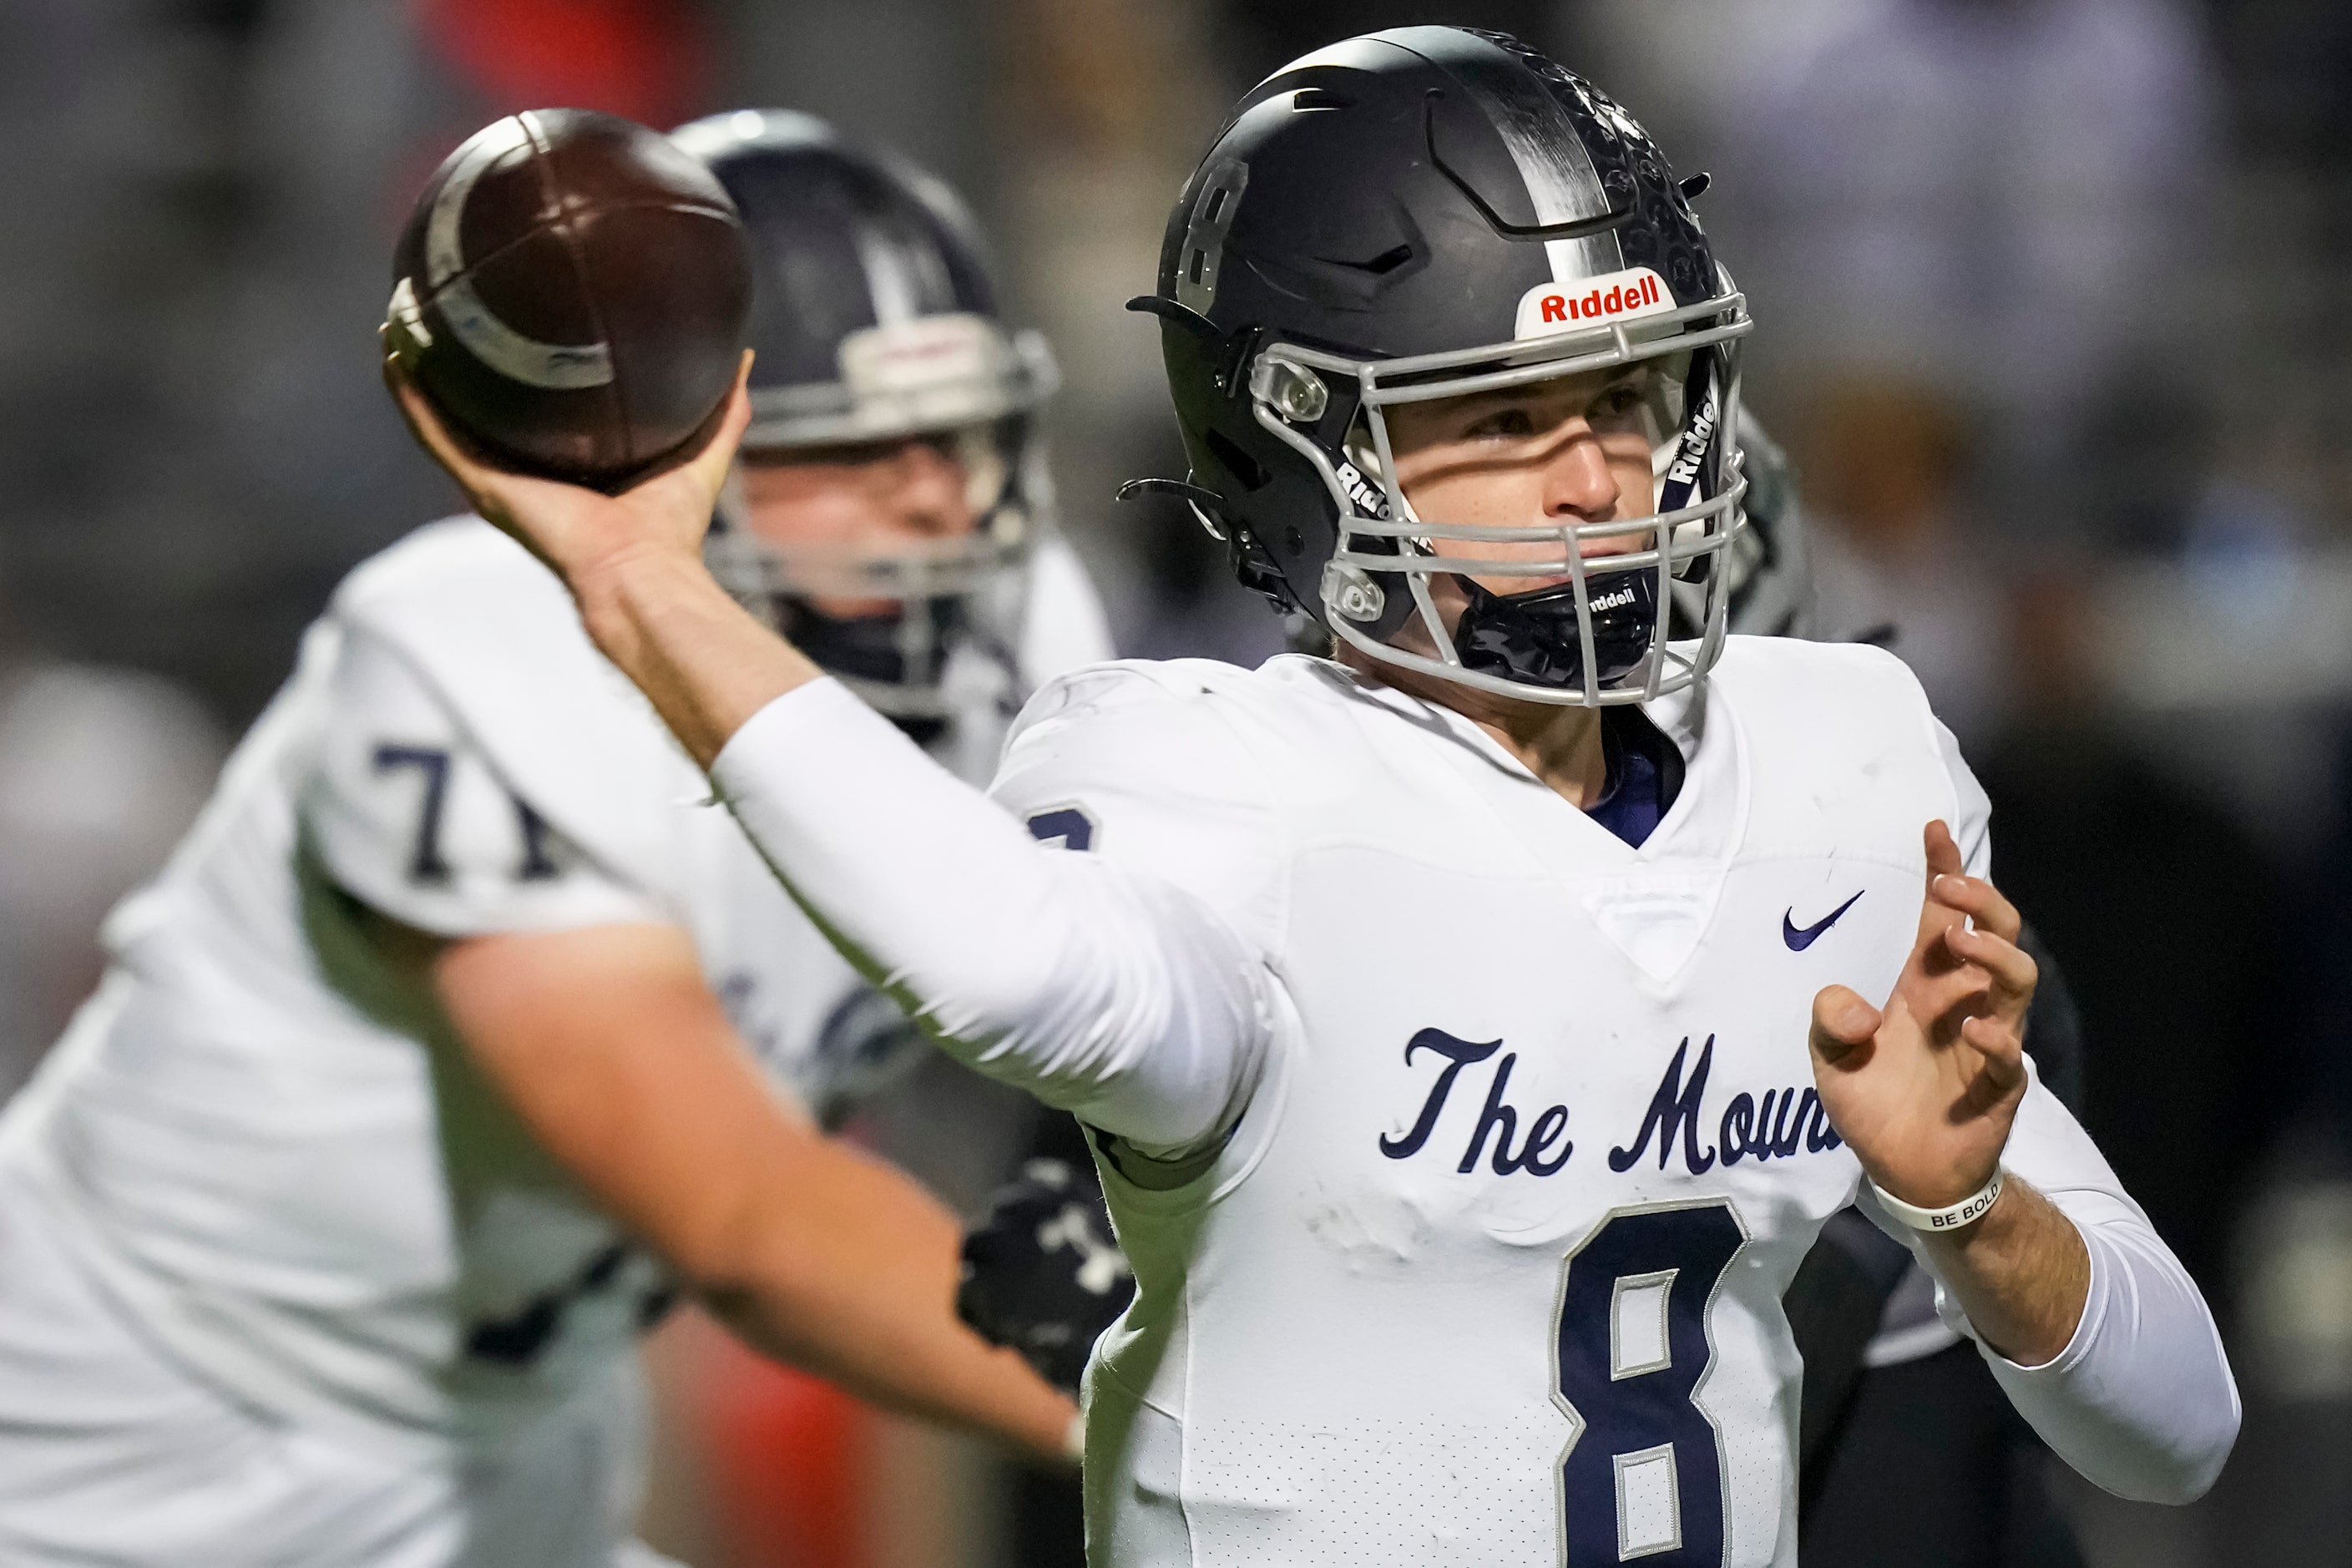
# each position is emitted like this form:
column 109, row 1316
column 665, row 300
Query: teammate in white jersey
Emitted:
column 432, row 1067
column 1440, row 1010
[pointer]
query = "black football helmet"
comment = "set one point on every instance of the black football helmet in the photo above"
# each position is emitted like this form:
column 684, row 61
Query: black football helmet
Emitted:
column 1421, row 214
column 874, row 319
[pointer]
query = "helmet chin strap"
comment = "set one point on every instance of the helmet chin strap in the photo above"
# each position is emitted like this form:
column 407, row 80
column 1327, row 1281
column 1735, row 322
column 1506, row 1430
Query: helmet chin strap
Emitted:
column 896, row 659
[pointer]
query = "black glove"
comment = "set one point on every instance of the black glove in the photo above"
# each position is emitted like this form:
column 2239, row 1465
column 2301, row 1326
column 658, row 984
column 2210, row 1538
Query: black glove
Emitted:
column 1042, row 1273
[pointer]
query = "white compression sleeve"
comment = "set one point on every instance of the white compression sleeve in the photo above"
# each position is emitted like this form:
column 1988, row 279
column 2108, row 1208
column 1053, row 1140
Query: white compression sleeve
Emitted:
column 2141, row 1401
column 1098, row 988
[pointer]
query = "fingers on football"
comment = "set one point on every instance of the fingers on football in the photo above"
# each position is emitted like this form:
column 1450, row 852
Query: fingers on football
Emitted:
column 426, row 426
column 708, row 468
column 1842, row 1023
column 413, row 411
column 417, row 413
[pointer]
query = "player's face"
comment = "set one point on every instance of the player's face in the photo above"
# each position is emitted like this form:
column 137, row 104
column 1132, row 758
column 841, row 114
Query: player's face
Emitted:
column 866, row 498
column 1565, row 452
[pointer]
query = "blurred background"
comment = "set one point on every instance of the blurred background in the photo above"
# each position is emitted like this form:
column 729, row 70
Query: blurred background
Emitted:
column 2053, row 318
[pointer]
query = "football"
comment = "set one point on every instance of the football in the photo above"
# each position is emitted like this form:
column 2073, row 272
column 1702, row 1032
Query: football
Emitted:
column 571, row 293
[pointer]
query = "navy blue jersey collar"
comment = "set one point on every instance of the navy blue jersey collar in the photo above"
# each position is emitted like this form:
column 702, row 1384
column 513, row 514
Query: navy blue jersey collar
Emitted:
column 1644, row 775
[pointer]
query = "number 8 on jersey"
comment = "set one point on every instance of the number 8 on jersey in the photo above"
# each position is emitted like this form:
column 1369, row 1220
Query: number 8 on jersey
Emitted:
column 1642, row 1477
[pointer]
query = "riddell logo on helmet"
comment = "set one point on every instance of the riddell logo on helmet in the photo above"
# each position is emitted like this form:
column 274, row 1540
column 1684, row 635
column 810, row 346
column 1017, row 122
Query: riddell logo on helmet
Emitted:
column 1551, row 307
column 1684, row 468
column 1369, row 502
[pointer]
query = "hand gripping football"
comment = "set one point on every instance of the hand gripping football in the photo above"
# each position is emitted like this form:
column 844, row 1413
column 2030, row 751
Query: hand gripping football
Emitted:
column 572, row 292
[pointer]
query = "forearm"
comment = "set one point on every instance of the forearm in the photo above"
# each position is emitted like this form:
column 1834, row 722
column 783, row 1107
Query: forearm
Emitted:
column 2021, row 1274
column 621, row 1063
column 857, row 1285
column 702, row 659
column 634, row 564
column 2136, row 1395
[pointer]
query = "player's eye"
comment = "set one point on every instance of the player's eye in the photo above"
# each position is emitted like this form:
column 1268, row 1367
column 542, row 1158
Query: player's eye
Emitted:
column 1500, row 424
column 1620, row 401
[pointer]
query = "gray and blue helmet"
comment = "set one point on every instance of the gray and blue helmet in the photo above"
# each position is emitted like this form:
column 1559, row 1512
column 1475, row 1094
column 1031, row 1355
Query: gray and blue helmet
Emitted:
column 875, row 320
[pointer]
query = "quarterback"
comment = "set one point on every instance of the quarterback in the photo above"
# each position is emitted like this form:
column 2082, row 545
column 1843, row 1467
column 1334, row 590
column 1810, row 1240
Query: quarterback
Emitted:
column 1474, row 1028
column 465, row 1031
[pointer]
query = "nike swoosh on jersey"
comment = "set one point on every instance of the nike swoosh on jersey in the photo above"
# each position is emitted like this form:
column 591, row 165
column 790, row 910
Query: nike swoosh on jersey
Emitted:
column 1798, row 940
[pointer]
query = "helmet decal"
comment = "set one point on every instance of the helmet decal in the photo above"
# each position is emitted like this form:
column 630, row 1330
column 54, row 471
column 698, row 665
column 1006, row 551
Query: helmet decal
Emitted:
column 1699, row 426
column 1213, row 211
column 1625, row 296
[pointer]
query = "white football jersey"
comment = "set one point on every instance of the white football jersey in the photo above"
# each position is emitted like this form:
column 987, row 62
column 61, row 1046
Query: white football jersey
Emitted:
column 1489, row 1270
column 266, row 1138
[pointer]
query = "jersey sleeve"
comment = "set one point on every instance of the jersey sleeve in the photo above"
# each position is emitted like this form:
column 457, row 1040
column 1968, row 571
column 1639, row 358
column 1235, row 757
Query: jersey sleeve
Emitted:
column 1972, row 817
column 1100, row 982
column 410, row 814
column 2141, row 1401
column 1110, row 762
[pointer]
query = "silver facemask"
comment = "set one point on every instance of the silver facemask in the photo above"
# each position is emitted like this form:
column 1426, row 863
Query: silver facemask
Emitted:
column 950, row 640
column 1697, row 515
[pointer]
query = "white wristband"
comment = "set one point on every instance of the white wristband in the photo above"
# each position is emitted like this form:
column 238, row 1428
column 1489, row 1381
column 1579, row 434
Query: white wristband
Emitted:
column 1967, row 1211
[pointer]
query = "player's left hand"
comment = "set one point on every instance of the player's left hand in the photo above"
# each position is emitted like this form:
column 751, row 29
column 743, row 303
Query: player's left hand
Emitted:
column 574, row 530
column 1925, row 1088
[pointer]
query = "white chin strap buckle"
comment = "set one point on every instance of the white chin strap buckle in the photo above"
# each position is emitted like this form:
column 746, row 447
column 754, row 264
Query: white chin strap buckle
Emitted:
column 1944, row 1221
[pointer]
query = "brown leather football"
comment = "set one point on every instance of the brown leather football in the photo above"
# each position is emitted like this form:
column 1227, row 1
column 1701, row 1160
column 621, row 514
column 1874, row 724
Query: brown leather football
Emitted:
column 571, row 293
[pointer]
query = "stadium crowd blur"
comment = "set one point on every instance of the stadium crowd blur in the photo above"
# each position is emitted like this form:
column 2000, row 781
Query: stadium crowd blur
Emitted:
column 2052, row 319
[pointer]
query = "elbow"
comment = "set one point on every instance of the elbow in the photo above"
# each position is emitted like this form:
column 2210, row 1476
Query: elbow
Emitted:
column 2195, row 1463
column 2177, row 1467
column 1054, row 1009
column 2172, row 1453
column 979, row 1014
